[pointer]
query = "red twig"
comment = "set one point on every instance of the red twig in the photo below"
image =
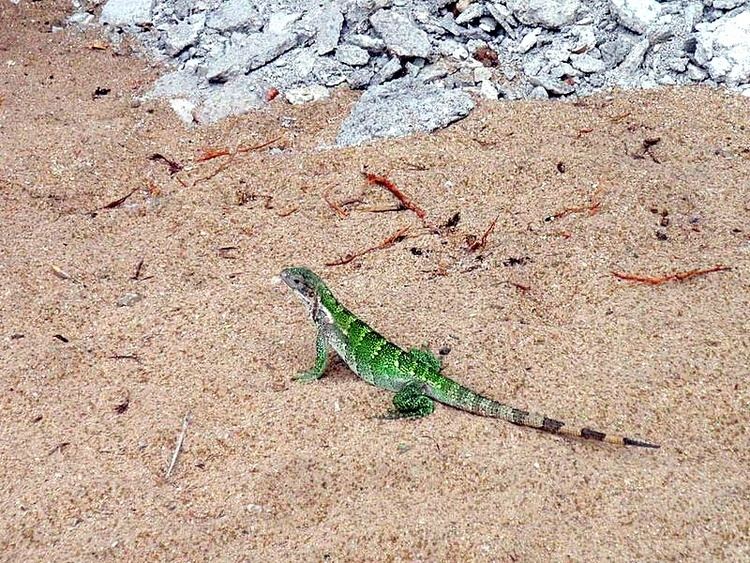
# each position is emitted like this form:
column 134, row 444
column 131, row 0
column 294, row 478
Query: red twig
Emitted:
column 258, row 147
column 289, row 212
column 391, row 187
column 119, row 201
column 340, row 211
column 520, row 286
column 174, row 166
column 592, row 209
column 138, row 268
column 209, row 154
column 677, row 276
column 390, row 241
column 482, row 242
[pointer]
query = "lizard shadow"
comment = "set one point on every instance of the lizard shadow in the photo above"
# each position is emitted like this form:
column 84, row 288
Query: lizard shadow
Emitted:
column 338, row 372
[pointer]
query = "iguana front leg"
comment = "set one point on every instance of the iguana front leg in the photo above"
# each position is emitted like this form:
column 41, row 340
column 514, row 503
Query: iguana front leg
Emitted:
column 411, row 402
column 321, row 361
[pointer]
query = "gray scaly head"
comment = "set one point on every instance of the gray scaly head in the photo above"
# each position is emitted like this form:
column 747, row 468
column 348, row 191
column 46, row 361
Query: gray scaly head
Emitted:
column 304, row 283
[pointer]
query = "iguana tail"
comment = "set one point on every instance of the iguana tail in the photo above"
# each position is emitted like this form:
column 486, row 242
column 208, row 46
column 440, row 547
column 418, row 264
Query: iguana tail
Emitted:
column 466, row 399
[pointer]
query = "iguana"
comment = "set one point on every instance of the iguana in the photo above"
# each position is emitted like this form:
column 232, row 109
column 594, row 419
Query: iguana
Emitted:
column 415, row 375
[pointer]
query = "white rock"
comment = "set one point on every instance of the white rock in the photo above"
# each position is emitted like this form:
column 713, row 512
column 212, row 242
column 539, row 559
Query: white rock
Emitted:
column 636, row 15
column 538, row 93
column 678, row 64
column 433, row 72
column 499, row 12
column 447, row 46
column 529, row 40
column 723, row 47
column 387, row 71
column 532, row 66
column 472, row 12
column 178, row 84
column 81, row 18
column 563, row 70
column 235, row 14
column 360, row 78
column 400, row 34
column 728, row 4
column 666, row 80
column 366, row 42
column 184, row 110
column 297, row 96
column 557, row 53
column 330, row 23
column 279, row 22
column 257, row 50
column 696, row 73
column 127, row 12
column 237, row 96
column 660, row 33
column 402, row 107
column 552, row 85
column 183, row 35
column 547, row 13
column 692, row 12
column 587, row 64
column 586, row 38
column 460, row 53
column 487, row 24
column 633, row 60
column 129, row 299
column 413, row 68
column 482, row 74
column 352, row 55
column 488, row 91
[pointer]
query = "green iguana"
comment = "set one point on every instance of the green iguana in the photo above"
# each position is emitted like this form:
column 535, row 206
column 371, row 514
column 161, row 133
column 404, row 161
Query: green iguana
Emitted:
column 415, row 376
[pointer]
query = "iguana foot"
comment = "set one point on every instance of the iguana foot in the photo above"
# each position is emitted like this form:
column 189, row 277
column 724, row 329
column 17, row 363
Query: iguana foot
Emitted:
column 410, row 402
column 307, row 376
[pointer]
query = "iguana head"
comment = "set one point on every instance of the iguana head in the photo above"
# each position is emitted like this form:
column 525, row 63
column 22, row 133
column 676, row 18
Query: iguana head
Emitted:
column 305, row 284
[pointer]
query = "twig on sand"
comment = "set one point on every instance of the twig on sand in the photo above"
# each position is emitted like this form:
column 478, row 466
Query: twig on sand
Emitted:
column 178, row 445
column 337, row 208
column 398, row 194
column 474, row 244
column 398, row 236
column 209, row 154
column 677, row 276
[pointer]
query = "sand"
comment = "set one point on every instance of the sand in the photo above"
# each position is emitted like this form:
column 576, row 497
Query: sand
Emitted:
column 93, row 395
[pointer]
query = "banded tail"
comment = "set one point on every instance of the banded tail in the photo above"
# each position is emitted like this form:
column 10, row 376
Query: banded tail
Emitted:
column 466, row 399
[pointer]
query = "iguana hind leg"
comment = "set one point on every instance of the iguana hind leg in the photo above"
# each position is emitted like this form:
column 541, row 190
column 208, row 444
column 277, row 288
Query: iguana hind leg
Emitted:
column 321, row 361
column 411, row 402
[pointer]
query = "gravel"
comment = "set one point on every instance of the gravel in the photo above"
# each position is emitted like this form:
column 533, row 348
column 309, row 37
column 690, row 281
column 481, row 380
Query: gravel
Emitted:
column 423, row 63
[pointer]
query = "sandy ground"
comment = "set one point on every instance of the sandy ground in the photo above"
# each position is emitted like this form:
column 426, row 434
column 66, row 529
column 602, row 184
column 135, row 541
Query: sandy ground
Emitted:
column 93, row 395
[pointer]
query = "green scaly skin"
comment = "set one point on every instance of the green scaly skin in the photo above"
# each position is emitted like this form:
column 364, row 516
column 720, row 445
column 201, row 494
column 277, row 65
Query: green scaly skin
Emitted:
column 415, row 375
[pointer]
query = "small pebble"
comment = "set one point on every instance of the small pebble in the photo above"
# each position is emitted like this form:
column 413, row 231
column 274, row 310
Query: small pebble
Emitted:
column 128, row 299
